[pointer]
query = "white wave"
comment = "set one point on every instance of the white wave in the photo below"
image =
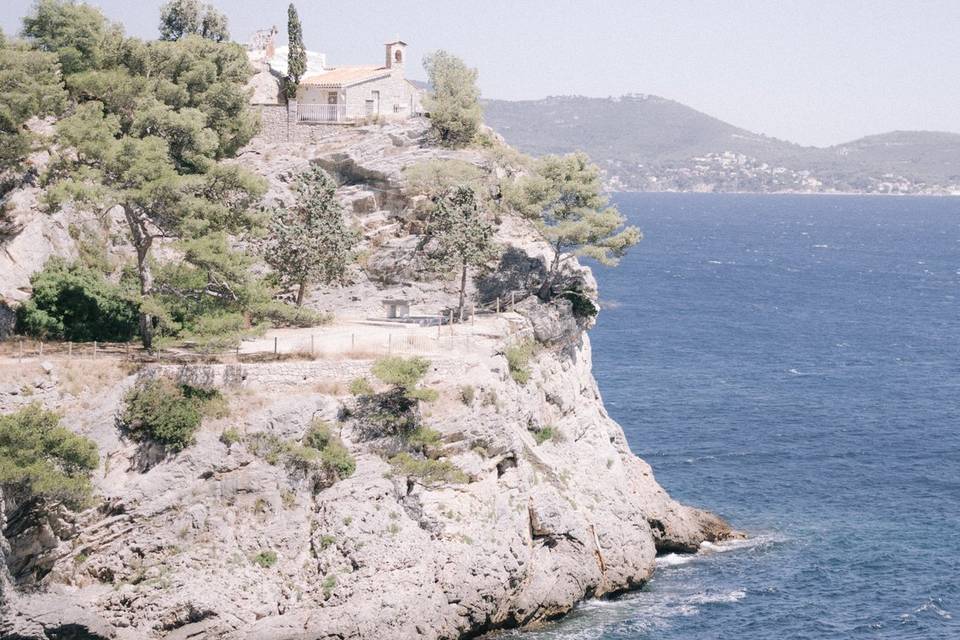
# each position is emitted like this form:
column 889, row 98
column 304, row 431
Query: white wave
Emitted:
column 934, row 607
column 821, row 246
column 718, row 598
column 675, row 559
column 739, row 544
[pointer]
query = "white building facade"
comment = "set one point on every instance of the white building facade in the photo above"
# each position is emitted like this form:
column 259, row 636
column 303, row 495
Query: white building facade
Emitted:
column 351, row 94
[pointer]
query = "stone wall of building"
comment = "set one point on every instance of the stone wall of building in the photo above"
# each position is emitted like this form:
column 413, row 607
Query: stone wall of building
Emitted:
column 397, row 97
column 279, row 124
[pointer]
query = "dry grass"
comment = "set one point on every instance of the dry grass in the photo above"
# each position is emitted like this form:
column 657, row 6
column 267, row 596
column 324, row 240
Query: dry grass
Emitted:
column 83, row 378
column 331, row 388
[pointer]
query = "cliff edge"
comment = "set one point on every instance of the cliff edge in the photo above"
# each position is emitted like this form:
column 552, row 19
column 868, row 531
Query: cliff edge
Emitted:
column 540, row 502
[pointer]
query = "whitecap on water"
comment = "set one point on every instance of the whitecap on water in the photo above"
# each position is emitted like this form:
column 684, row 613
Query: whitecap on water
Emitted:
column 675, row 559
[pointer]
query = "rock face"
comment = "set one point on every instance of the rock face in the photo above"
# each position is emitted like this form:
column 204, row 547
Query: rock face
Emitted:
column 217, row 542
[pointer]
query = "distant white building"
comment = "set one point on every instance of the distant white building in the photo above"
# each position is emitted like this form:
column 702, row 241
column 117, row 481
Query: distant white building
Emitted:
column 343, row 94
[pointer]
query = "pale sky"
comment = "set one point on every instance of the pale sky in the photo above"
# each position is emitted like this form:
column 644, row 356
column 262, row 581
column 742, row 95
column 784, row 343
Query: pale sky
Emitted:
column 815, row 72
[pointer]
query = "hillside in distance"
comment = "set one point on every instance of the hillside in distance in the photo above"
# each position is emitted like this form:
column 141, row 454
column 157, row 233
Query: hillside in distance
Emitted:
column 649, row 143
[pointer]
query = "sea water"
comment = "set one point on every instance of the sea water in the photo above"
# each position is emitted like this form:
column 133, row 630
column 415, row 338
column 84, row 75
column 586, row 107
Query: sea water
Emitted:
column 792, row 363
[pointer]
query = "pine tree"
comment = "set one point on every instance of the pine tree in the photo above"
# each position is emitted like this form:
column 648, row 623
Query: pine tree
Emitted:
column 180, row 18
column 454, row 105
column 462, row 237
column 310, row 242
column 296, row 53
column 146, row 135
column 565, row 198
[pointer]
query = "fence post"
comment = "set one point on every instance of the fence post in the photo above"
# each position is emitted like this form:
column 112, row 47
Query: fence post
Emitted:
column 451, row 321
column 41, row 348
column 274, row 345
column 94, row 349
column 70, row 350
column 389, row 343
column 473, row 314
column 498, row 305
column 513, row 300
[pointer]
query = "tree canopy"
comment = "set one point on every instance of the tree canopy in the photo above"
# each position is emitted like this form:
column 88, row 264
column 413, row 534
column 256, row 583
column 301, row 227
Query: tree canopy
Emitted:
column 30, row 86
column 565, row 197
column 180, row 18
column 310, row 242
column 463, row 238
column 454, row 104
column 40, row 458
column 146, row 133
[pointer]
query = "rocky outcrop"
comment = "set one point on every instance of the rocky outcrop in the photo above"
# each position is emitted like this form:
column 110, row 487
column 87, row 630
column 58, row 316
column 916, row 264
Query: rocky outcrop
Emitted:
column 538, row 527
column 542, row 503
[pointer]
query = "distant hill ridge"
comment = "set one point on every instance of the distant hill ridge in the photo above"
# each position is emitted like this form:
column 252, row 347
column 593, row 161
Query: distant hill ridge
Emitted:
column 650, row 143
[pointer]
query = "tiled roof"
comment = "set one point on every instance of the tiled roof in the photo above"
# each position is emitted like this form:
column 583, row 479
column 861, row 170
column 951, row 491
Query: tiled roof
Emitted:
column 344, row 76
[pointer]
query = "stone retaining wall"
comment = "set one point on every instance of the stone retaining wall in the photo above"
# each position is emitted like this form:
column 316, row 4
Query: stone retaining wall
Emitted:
column 273, row 374
column 279, row 124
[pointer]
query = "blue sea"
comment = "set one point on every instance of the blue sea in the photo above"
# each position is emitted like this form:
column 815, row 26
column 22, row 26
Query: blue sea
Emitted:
column 792, row 363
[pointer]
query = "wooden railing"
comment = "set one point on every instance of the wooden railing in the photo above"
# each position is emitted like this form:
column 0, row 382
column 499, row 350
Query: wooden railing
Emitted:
column 321, row 113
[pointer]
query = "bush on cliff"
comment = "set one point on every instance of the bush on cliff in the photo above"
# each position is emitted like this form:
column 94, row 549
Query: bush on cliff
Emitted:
column 72, row 302
column 518, row 360
column 162, row 411
column 320, row 457
column 40, row 458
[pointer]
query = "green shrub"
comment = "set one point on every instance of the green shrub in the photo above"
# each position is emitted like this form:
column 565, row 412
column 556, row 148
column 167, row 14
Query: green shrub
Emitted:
column 467, row 395
column 336, row 457
column 361, row 387
column 404, row 374
column 428, row 471
column 401, row 372
column 423, row 440
column 391, row 413
column 73, row 302
column 265, row 559
column 300, row 458
column 318, row 434
column 267, row 446
column 423, row 394
column 328, row 585
column 322, row 457
column 518, row 360
column 40, row 458
column 433, row 178
column 230, row 436
column 280, row 314
column 544, row 434
column 582, row 305
column 164, row 412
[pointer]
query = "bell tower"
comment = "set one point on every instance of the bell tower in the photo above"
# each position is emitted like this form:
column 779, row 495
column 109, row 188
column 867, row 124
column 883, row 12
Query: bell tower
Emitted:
column 396, row 54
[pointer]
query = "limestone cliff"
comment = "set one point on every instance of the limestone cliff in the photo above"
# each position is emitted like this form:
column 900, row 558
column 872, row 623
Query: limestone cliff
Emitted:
column 530, row 526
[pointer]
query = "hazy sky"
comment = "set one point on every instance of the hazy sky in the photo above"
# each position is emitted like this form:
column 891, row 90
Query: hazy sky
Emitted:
column 811, row 71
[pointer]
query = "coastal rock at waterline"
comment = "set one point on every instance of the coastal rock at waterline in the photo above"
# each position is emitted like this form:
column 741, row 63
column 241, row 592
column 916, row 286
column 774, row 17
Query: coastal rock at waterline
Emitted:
column 172, row 551
column 222, row 541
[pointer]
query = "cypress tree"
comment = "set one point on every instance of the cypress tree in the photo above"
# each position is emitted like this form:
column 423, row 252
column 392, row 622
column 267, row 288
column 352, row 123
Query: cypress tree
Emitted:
column 296, row 53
